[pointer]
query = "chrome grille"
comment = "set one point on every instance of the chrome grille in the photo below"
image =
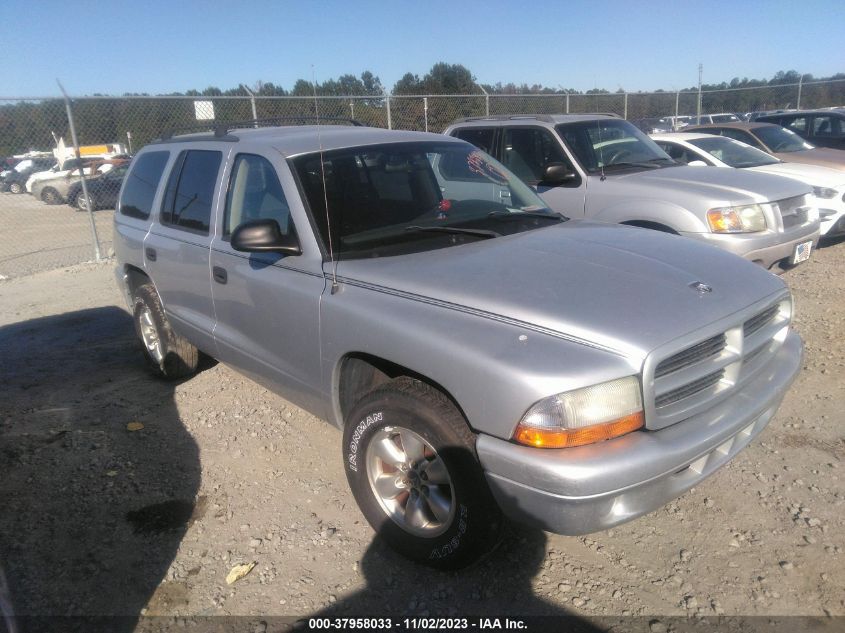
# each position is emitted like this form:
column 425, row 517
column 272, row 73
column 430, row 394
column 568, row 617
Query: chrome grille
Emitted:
column 686, row 381
column 793, row 211
column 689, row 389
column 691, row 355
column 755, row 323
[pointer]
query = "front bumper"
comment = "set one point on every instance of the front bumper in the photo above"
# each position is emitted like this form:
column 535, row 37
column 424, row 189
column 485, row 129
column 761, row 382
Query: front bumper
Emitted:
column 766, row 248
column 591, row 488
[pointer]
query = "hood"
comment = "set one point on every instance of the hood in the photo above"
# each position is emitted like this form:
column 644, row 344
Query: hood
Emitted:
column 716, row 187
column 813, row 175
column 618, row 287
column 826, row 157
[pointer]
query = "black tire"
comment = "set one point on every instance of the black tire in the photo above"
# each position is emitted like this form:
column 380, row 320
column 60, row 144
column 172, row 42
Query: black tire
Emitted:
column 50, row 196
column 474, row 520
column 178, row 357
column 16, row 187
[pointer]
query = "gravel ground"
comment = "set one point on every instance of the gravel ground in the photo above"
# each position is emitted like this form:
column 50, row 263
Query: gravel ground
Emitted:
column 98, row 519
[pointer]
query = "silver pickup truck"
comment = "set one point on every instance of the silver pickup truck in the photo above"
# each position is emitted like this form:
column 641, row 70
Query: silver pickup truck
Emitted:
column 600, row 167
column 482, row 357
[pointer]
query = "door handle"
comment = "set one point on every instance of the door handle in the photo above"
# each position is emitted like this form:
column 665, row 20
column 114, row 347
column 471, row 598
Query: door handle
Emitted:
column 219, row 275
column 151, row 254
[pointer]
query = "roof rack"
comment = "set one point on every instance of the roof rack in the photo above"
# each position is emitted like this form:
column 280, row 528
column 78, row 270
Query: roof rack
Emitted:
column 221, row 130
column 547, row 118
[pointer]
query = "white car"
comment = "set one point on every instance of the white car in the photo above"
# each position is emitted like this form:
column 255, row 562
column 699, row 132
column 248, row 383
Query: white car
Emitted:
column 58, row 172
column 720, row 151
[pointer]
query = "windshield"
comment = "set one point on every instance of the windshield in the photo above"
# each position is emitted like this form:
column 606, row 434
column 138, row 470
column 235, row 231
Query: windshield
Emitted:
column 779, row 139
column 611, row 143
column 406, row 197
column 733, row 152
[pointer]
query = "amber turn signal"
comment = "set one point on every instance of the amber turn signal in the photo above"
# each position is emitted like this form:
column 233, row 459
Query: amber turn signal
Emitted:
column 566, row 438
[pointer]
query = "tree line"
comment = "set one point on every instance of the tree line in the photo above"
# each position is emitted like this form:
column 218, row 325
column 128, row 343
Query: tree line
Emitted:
column 32, row 125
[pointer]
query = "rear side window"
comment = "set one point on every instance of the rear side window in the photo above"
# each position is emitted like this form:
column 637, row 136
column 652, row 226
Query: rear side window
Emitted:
column 141, row 184
column 190, row 191
column 482, row 138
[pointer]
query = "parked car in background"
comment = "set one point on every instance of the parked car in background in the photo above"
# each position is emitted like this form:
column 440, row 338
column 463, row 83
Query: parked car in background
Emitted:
column 603, row 168
column 60, row 170
column 823, row 128
column 722, row 117
column 55, row 190
column 777, row 141
column 720, row 151
column 675, row 122
column 15, row 180
column 753, row 116
column 653, row 125
column 481, row 354
column 102, row 190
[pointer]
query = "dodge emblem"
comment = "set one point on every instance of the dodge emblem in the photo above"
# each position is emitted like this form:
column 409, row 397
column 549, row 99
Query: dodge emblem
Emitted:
column 701, row 287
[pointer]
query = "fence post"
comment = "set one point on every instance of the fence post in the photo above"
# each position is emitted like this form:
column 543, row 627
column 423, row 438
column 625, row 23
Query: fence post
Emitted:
column 677, row 99
column 389, row 119
column 425, row 110
column 567, row 103
column 252, row 101
column 625, row 107
column 352, row 109
column 798, row 102
column 81, row 172
column 698, row 105
column 486, row 102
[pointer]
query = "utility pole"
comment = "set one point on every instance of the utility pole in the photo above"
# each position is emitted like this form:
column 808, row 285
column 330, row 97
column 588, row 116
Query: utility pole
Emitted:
column 698, row 107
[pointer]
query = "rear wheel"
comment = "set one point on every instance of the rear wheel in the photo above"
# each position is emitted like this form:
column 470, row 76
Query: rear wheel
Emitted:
column 411, row 464
column 169, row 355
column 82, row 203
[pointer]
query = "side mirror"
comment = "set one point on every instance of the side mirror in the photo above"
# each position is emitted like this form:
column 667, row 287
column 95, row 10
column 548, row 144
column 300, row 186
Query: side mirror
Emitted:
column 697, row 163
column 264, row 236
column 558, row 174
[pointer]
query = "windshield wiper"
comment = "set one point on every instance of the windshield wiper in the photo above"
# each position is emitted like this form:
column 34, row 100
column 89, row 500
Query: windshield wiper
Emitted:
column 550, row 215
column 647, row 164
column 454, row 230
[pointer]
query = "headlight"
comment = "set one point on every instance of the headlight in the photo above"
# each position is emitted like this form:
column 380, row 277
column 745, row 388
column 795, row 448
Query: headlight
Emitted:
column 583, row 416
column 824, row 192
column 743, row 219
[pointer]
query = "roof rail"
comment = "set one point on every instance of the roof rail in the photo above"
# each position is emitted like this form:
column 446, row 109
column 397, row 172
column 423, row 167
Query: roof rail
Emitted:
column 547, row 118
column 222, row 129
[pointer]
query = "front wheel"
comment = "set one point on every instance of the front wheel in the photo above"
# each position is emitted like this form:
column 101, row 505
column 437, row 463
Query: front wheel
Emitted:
column 16, row 187
column 411, row 465
column 168, row 354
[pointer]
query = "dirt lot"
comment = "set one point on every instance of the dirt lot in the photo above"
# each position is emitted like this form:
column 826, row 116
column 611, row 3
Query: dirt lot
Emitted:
column 37, row 237
column 98, row 519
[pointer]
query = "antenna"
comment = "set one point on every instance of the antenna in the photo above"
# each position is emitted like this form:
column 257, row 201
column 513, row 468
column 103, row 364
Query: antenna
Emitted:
column 325, row 191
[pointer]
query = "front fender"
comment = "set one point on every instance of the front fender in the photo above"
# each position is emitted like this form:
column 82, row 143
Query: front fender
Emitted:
column 494, row 369
column 674, row 216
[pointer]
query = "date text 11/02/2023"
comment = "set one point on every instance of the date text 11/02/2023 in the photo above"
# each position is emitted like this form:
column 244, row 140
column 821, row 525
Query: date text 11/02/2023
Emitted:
column 413, row 624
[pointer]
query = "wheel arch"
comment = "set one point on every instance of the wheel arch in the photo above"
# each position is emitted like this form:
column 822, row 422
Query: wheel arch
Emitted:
column 358, row 373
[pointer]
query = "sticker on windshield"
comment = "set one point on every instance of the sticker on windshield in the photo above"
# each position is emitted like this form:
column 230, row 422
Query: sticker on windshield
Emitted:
column 478, row 164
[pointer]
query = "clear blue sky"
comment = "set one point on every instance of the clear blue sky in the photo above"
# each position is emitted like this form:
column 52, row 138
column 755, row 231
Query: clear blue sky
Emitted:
column 159, row 46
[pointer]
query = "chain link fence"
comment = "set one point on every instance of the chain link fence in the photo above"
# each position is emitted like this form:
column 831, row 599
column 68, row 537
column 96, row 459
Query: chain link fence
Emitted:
column 36, row 236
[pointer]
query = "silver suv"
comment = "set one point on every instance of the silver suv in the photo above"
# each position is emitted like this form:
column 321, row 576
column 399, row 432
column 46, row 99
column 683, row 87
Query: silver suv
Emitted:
column 482, row 355
column 601, row 167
